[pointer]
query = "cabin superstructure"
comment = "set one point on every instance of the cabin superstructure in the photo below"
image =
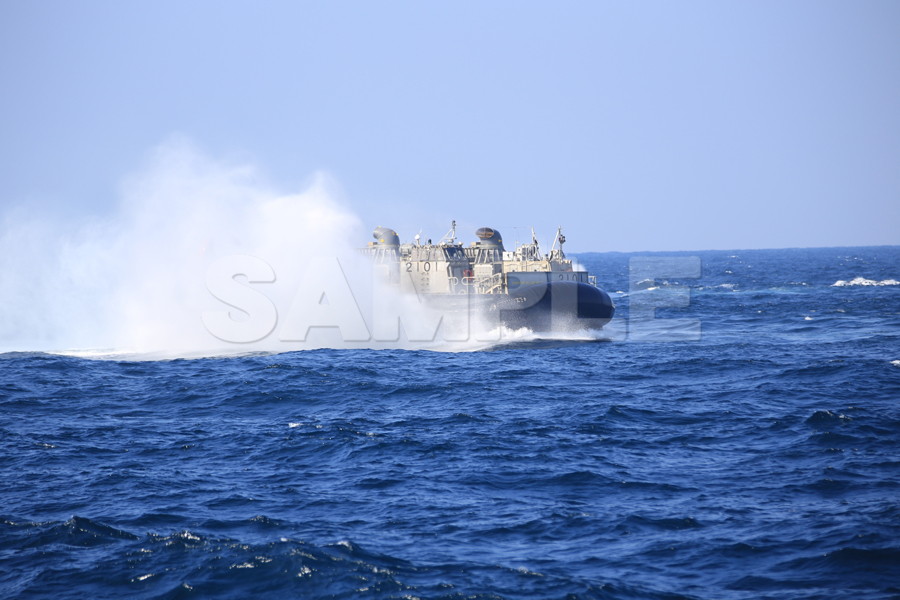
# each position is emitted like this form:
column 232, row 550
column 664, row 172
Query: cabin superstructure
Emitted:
column 484, row 267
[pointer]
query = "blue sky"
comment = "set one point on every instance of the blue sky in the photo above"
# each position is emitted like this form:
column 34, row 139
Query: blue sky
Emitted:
column 635, row 125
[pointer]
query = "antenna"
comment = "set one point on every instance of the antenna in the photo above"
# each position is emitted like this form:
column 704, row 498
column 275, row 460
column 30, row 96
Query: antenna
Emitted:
column 450, row 236
column 562, row 240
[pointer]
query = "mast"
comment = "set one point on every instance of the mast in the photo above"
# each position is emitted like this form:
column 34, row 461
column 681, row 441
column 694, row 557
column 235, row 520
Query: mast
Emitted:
column 450, row 236
column 561, row 239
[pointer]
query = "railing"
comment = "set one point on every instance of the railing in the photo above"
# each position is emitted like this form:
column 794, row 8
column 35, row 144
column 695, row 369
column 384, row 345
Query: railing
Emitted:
column 494, row 284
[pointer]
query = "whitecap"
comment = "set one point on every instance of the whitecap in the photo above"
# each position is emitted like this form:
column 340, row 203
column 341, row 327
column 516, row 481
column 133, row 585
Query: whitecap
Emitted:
column 864, row 282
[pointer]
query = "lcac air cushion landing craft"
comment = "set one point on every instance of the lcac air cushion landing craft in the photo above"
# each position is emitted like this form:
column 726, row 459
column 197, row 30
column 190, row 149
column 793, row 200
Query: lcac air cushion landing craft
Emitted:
column 521, row 288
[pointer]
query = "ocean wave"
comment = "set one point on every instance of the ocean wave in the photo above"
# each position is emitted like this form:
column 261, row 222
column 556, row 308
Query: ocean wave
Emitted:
column 731, row 287
column 193, row 562
column 487, row 340
column 862, row 281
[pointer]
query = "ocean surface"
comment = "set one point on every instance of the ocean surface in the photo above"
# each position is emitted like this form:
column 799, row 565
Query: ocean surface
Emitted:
column 757, row 459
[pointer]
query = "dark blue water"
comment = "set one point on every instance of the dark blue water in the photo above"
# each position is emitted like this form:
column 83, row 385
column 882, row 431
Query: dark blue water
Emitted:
column 760, row 461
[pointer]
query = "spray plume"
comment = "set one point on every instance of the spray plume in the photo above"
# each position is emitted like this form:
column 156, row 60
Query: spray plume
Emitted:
column 137, row 282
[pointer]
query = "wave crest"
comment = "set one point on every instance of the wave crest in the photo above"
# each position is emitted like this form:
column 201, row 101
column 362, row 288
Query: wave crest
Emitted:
column 864, row 282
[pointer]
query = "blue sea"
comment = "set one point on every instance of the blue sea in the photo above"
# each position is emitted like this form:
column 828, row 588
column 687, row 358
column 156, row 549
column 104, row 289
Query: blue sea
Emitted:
column 757, row 459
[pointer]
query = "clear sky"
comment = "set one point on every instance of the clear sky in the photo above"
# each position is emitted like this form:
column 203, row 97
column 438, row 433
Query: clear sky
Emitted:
column 636, row 125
